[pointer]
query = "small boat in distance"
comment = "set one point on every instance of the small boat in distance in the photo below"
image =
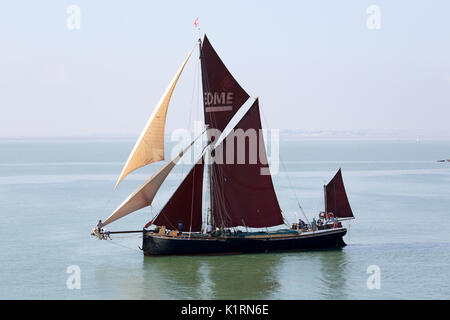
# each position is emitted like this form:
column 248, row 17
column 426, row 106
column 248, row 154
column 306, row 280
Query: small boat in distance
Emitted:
column 241, row 193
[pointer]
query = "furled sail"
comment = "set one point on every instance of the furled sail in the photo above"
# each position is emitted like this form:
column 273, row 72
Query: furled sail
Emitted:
column 150, row 145
column 143, row 196
column 185, row 205
column 222, row 94
column 336, row 200
column 243, row 192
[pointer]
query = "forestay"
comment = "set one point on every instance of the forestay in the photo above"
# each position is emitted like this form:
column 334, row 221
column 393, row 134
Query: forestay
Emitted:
column 143, row 196
column 150, row 145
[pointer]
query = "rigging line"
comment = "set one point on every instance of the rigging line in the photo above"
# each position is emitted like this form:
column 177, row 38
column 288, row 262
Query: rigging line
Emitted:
column 207, row 88
column 199, row 107
column 190, row 109
column 124, row 246
column 192, row 201
column 219, row 170
column 107, row 203
column 168, row 201
column 158, row 206
column 205, row 187
column 127, row 237
column 348, row 232
column 291, row 187
column 216, row 194
column 219, row 197
column 225, row 215
column 155, row 210
column 212, row 117
column 194, row 87
column 191, row 106
column 206, row 83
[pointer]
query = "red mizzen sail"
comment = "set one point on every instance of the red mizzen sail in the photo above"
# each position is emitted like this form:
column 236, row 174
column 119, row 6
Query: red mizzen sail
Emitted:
column 336, row 198
column 222, row 94
column 243, row 193
column 185, row 205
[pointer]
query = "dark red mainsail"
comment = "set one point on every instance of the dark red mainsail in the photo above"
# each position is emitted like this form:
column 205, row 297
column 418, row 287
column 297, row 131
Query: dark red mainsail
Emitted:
column 222, row 94
column 336, row 200
column 243, row 193
column 185, row 205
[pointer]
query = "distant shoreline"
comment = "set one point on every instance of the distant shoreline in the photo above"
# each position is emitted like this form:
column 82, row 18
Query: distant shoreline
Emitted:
column 283, row 138
column 286, row 135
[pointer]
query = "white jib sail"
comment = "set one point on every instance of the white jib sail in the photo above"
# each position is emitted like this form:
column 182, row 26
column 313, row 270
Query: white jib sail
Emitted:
column 143, row 196
column 150, row 145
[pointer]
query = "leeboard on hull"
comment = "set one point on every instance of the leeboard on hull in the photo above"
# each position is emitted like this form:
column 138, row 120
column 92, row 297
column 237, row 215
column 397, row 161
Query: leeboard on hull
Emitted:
column 155, row 244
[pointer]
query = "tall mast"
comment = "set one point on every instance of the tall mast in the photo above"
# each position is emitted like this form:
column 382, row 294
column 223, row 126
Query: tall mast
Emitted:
column 211, row 189
column 325, row 197
column 240, row 194
column 210, row 218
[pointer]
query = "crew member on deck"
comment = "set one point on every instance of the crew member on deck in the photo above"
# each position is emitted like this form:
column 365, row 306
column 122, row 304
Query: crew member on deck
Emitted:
column 99, row 226
column 330, row 216
column 180, row 227
column 319, row 224
column 301, row 223
column 106, row 234
column 314, row 224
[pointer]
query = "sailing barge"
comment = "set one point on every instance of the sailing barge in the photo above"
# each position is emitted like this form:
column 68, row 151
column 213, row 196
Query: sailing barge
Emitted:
column 241, row 192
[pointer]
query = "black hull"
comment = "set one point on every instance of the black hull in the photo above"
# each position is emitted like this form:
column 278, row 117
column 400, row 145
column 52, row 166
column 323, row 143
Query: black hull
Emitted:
column 154, row 244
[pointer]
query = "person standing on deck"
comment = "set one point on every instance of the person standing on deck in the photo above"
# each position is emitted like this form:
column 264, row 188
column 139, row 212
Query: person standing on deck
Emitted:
column 301, row 223
column 106, row 234
column 331, row 216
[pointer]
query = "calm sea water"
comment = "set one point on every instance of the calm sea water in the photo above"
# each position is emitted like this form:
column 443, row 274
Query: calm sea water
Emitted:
column 53, row 192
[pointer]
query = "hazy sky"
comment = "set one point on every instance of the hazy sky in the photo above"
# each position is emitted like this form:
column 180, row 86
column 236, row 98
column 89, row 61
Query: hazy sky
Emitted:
column 314, row 64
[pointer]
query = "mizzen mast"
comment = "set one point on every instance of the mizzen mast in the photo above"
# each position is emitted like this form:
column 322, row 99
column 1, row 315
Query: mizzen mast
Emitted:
column 242, row 194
